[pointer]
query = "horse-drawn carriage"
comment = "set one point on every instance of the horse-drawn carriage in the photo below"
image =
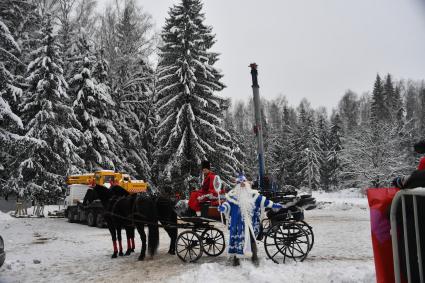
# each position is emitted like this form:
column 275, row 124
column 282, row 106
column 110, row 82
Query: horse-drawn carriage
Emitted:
column 284, row 233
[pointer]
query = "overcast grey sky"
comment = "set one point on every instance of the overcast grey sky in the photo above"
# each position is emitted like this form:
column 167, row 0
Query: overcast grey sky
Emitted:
column 312, row 48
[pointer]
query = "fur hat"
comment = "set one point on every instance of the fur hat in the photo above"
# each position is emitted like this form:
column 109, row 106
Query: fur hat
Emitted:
column 206, row 164
column 420, row 146
column 241, row 178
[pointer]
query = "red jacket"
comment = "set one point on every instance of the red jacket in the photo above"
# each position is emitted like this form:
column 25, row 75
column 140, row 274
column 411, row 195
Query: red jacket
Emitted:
column 421, row 165
column 206, row 188
column 208, row 184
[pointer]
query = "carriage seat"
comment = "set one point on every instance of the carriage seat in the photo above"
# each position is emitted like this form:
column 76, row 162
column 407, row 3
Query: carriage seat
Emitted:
column 210, row 211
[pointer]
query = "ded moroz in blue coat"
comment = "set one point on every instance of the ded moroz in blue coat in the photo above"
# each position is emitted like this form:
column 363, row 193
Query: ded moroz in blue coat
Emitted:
column 243, row 209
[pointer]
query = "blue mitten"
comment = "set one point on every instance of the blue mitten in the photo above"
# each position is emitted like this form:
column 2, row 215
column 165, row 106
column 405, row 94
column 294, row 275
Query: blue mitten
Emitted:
column 277, row 207
column 221, row 208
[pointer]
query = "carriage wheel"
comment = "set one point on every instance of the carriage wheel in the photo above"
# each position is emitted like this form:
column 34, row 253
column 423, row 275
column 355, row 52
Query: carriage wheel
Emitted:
column 286, row 240
column 213, row 241
column 309, row 230
column 189, row 246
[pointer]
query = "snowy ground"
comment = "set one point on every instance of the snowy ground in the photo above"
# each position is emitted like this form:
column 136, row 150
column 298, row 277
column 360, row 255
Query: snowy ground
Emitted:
column 52, row 250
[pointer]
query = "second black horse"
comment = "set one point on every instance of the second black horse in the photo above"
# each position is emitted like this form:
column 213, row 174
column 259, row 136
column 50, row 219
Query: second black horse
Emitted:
column 127, row 211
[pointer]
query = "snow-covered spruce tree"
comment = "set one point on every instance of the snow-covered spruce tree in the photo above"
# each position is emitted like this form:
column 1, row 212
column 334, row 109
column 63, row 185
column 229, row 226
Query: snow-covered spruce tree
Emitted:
column 14, row 18
column 135, row 116
column 9, row 50
column 348, row 107
column 243, row 122
column 92, row 106
column 66, row 34
column 274, row 152
column 308, row 151
column 325, row 148
column 245, row 138
column 48, row 117
column 392, row 99
column 281, row 152
column 236, row 137
column 334, row 163
column 133, row 80
column 191, row 127
column 379, row 110
column 78, row 54
column 364, row 110
column 398, row 107
column 10, row 122
column 228, row 155
column 149, row 136
column 100, row 69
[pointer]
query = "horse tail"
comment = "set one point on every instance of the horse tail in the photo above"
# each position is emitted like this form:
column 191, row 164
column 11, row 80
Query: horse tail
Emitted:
column 153, row 238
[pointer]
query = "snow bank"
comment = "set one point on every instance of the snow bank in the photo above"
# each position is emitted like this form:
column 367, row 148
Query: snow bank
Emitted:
column 5, row 216
column 352, row 198
column 53, row 250
column 270, row 272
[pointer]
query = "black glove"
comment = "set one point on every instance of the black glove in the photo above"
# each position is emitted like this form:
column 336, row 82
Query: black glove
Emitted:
column 398, row 182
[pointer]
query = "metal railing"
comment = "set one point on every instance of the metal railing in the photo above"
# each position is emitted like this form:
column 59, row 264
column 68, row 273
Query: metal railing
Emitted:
column 402, row 196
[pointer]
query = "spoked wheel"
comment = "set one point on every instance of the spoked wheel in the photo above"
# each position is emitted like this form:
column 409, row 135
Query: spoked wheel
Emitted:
column 309, row 230
column 189, row 246
column 286, row 240
column 213, row 241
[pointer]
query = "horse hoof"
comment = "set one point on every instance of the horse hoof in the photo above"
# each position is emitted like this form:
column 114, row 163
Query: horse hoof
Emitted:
column 128, row 252
column 141, row 258
column 171, row 252
column 114, row 255
column 121, row 254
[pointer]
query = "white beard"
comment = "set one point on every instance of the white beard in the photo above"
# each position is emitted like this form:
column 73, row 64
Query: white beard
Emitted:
column 246, row 201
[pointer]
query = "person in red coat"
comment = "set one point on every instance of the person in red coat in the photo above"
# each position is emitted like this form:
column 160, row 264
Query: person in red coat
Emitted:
column 417, row 178
column 206, row 192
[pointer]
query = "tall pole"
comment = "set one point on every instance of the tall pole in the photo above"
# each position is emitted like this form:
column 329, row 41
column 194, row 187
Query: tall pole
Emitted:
column 258, row 129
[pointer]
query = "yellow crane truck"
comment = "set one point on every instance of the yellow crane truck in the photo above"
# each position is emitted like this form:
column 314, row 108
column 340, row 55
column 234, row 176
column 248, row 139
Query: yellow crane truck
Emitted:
column 92, row 213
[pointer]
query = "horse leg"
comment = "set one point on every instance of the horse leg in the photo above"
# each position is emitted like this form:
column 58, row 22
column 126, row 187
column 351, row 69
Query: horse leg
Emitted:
column 133, row 245
column 128, row 234
column 120, row 240
column 114, row 241
column 141, row 230
column 169, row 218
column 172, row 232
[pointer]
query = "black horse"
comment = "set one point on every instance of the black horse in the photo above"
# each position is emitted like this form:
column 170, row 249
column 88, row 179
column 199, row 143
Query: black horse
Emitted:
column 139, row 210
column 113, row 195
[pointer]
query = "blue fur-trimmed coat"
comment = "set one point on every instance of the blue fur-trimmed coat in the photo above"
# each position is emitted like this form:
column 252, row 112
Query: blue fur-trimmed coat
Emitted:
column 237, row 229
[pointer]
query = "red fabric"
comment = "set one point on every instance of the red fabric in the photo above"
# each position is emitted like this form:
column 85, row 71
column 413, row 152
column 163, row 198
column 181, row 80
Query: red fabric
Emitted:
column 380, row 202
column 115, row 246
column 193, row 200
column 421, row 165
column 120, row 245
column 133, row 246
column 208, row 184
column 206, row 188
